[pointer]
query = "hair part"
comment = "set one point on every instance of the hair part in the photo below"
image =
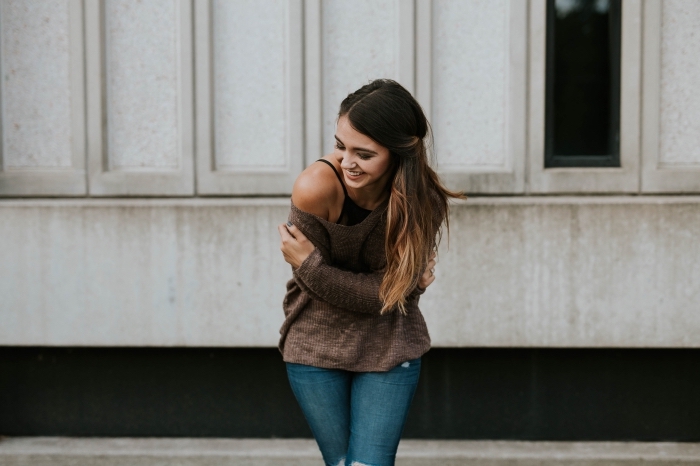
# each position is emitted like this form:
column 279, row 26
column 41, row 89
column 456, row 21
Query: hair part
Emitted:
column 387, row 113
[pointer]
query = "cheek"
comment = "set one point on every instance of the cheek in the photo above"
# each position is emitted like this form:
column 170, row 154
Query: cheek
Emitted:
column 382, row 166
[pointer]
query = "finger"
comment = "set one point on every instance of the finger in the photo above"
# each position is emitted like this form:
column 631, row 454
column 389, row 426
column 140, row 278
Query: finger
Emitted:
column 290, row 227
column 432, row 255
column 295, row 231
column 425, row 281
column 284, row 232
column 431, row 264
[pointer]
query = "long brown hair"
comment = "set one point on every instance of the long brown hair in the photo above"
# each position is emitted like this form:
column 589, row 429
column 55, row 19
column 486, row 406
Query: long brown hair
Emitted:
column 387, row 113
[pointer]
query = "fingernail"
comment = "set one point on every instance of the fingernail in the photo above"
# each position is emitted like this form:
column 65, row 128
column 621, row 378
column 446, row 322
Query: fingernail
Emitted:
column 289, row 224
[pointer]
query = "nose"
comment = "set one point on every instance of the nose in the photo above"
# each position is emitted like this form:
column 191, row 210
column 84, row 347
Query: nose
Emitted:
column 346, row 163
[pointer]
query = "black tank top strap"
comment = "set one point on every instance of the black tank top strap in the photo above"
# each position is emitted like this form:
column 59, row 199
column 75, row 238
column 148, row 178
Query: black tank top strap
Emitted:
column 351, row 213
column 336, row 174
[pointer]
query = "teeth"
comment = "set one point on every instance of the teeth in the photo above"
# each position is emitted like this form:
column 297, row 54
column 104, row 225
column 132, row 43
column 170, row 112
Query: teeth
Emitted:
column 354, row 173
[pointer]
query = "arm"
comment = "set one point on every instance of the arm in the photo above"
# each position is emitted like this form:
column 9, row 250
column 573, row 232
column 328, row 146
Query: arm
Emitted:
column 324, row 282
column 341, row 288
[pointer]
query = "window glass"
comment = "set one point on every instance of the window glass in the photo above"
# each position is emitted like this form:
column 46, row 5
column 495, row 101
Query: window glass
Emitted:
column 583, row 83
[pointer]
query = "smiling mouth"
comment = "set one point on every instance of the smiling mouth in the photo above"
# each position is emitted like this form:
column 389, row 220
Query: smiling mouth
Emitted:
column 352, row 173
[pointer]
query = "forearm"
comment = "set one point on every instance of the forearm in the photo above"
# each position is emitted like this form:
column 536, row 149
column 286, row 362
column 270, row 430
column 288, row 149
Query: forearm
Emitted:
column 341, row 288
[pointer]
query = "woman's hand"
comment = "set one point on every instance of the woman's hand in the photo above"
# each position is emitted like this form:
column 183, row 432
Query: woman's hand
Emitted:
column 428, row 276
column 295, row 246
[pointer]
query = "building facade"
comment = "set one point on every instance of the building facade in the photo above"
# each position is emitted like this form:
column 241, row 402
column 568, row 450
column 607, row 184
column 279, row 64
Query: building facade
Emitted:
column 149, row 150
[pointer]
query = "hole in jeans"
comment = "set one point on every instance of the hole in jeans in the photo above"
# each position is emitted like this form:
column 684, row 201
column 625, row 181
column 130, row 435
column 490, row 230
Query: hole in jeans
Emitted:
column 406, row 364
column 357, row 463
column 341, row 462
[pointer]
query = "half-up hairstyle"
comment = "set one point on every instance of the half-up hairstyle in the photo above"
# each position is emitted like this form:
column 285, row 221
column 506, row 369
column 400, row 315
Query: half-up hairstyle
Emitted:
column 386, row 112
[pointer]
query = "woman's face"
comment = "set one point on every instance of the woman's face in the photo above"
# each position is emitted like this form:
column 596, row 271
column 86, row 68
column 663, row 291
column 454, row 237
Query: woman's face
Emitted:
column 366, row 165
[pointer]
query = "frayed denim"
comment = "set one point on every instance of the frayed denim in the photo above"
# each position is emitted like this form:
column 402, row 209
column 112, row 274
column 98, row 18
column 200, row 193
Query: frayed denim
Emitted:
column 356, row 417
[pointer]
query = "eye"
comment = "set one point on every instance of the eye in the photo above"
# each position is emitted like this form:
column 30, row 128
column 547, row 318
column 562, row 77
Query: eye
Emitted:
column 339, row 147
column 364, row 156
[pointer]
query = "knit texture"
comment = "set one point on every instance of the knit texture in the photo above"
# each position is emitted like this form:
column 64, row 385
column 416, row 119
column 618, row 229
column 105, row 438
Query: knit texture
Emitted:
column 332, row 306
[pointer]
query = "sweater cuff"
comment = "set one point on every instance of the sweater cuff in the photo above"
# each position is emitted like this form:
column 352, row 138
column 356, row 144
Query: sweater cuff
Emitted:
column 307, row 269
column 416, row 293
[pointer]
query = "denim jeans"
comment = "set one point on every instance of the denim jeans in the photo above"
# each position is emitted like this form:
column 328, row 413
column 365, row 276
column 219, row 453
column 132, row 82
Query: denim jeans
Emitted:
column 356, row 417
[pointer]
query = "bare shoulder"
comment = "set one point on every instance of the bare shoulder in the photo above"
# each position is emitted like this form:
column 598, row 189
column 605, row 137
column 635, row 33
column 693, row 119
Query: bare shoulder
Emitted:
column 316, row 190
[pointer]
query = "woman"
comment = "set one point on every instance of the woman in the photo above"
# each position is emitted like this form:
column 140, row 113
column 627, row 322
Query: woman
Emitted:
column 361, row 246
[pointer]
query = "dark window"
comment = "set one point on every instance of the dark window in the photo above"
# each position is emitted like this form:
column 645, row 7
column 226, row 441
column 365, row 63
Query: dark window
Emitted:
column 583, row 83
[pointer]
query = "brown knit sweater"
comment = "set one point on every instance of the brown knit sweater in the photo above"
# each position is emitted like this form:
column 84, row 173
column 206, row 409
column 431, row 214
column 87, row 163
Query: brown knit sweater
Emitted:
column 332, row 304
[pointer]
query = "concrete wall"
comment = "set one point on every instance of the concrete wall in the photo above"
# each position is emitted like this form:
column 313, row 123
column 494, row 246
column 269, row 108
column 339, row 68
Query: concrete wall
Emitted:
column 562, row 272
column 123, row 118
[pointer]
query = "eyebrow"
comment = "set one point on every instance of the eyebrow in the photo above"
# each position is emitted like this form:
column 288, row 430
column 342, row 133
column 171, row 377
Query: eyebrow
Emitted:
column 359, row 149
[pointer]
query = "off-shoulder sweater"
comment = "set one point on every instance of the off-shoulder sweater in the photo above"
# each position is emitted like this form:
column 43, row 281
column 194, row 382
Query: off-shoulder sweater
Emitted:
column 332, row 305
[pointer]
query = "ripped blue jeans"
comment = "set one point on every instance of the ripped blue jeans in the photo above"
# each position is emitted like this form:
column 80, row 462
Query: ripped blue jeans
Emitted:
column 356, row 417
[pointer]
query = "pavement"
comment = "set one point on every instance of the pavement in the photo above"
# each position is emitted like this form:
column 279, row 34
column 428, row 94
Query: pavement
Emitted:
column 63, row 451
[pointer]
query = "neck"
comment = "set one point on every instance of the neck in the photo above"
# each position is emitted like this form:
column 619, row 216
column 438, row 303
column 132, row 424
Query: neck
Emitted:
column 368, row 200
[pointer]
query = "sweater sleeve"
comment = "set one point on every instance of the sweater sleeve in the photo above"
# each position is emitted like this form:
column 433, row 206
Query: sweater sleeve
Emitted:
column 323, row 281
column 341, row 288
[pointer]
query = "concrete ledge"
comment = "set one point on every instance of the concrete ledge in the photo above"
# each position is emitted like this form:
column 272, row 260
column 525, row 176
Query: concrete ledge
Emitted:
column 58, row 451
column 284, row 201
column 529, row 271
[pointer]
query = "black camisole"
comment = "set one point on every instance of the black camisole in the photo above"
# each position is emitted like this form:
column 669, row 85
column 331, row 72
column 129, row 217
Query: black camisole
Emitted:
column 352, row 214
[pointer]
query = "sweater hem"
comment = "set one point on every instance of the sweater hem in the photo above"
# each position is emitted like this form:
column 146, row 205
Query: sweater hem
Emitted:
column 307, row 360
